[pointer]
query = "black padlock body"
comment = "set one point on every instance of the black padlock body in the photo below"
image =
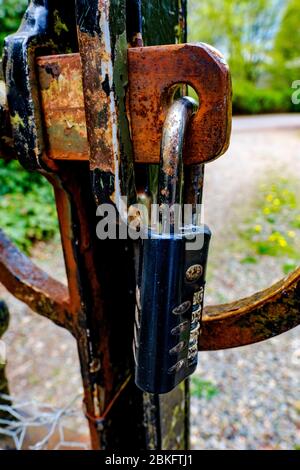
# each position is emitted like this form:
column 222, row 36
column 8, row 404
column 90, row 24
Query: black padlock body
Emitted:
column 169, row 309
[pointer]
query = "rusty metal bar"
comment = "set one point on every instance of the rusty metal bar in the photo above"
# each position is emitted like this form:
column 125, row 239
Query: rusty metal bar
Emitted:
column 154, row 75
column 256, row 318
column 64, row 119
column 33, row 286
column 103, row 320
column 103, row 51
column 149, row 94
column 48, row 27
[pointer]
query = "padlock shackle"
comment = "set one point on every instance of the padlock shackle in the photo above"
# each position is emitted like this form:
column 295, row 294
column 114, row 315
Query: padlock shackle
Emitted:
column 171, row 174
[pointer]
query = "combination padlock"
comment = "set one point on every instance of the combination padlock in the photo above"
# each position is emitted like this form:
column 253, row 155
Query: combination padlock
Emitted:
column 169, row 309
column 172, row 267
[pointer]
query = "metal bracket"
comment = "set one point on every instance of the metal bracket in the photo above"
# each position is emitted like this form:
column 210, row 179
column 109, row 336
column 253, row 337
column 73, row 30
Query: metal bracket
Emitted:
column 47, row 27
column 154, row 76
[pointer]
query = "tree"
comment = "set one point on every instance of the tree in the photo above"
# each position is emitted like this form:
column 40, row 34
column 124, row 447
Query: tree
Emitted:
column 242, row 29
column 286, row 54
column 260, row 40
column 11, row 12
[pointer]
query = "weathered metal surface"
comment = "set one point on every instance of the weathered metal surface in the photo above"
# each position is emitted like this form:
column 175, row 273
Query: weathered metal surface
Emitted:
column 193, row 190
column 62, row 107
column 102, row 35
column 134, row 23
column 46, row 27
column 99, row 320
column 171, row 177
column 164, row 22
column 104, row 319
column 154, row 73
column 104, row 60
column 256, row 318
column 7, row 150
column 101, row 27
column 60, row 81
column 4, row 389
column 33, row 286
column 96, row 53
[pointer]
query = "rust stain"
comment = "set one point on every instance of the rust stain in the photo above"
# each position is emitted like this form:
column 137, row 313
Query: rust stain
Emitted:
column 153, row 75
column 256, row 318
column 98, row 100
column 64, row 116
column 33, row 286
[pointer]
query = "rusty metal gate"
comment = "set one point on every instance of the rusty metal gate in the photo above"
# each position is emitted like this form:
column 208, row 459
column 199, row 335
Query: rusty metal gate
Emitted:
column 89, row 92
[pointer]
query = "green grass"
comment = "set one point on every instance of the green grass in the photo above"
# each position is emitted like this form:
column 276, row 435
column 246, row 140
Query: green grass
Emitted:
column 203, row 388
column 273, row 229
column 27, row 207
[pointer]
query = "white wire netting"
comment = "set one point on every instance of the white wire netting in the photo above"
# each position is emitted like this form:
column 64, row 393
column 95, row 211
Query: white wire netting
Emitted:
column 28, row 424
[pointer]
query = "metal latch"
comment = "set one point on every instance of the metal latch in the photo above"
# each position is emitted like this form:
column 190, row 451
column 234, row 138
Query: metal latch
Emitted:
column 155, row 73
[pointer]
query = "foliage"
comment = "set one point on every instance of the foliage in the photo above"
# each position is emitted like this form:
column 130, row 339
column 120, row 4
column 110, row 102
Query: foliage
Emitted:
column 27, row 209
column 253, row 100
column 11, row 12
column 242, row 29
column 285, row 66
column 274, row 228
column 203, row 388
column 260, row 39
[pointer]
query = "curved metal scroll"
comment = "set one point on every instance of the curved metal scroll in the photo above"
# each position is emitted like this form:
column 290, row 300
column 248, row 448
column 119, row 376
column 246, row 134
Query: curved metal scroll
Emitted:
column 256, row 318
column 33, row 286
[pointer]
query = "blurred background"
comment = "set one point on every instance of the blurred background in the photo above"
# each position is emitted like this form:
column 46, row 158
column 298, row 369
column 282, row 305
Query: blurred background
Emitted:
column 261, row 41
column 247, row 398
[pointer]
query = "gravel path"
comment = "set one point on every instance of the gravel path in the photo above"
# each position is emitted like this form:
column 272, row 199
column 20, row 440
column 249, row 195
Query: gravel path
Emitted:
column 258, row 400
column 257, row 405
column 42, row 358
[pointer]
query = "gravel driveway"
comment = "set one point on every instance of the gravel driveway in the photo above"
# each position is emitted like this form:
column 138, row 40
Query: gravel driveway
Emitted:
column 258, row 400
